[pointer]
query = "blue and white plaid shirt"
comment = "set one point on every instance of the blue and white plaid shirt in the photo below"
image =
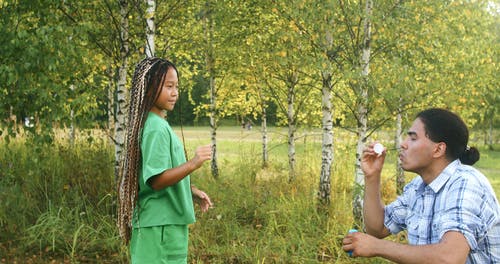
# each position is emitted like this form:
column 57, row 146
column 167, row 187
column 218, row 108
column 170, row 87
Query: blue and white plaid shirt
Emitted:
column 459, row 199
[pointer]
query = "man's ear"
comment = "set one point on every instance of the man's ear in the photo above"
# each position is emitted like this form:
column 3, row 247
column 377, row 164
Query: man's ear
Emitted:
column 440, row 150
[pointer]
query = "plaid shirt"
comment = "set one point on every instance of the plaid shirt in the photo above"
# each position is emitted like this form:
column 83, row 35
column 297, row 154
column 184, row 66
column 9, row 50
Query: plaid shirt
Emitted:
column 459, row 199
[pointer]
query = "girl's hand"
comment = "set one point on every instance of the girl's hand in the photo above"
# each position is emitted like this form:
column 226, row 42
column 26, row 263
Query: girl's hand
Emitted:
column 202, row 154
column 202, row 199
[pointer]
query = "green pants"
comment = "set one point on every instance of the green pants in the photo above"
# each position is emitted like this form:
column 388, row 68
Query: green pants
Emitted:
column 159, row 244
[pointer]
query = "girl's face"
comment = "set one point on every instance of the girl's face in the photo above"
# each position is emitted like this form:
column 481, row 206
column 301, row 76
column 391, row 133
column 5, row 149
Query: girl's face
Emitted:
column 169, row 93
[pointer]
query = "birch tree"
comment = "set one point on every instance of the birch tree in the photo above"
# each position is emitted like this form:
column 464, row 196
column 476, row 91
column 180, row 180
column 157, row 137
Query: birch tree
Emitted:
column 150, row 28
column 362, row 112
column 208, row 32
column 291, row 84
column 121, row 90
column 224, row 26
column 327, row 154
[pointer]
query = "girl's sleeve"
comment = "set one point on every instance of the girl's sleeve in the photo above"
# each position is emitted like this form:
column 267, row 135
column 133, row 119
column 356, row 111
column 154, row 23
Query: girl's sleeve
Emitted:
column 156, row 158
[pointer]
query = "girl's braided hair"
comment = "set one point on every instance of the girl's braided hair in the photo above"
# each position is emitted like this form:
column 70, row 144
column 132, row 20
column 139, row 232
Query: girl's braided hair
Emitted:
column 147, row 83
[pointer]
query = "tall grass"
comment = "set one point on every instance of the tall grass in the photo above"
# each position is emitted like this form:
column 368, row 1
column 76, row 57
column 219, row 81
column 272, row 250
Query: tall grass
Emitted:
column 58, row 202
column 261, row 218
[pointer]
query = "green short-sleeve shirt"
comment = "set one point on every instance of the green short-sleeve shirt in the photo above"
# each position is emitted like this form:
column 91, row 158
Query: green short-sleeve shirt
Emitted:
column 161, row 150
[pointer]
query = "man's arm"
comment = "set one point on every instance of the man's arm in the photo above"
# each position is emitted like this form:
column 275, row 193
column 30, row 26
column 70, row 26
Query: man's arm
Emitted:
column 453, row 248
column 373, row 207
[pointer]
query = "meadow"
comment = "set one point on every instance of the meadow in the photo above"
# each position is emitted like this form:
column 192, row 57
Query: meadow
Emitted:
column 58, row 202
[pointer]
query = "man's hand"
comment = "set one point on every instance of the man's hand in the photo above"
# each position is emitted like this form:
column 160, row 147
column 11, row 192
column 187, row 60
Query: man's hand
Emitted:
column 361, row 244
column 372, row 162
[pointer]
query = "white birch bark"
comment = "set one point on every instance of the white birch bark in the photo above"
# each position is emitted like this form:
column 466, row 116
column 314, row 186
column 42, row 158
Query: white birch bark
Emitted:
column 121, row 91
column 327, row 142
column 72, row 125
column 400, row 176
column 209, row 57
column 265, row 156
column 213, row 128
column 362, row 114
column 111, row 100
column 327, row 128
column 291, row 126
column 150, row 28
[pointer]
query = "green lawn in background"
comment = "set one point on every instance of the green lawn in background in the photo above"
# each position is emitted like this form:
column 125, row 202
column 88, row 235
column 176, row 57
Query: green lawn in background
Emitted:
column 489, row 165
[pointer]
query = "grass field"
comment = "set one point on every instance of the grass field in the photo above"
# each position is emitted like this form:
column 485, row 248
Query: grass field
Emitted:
column 235, row 137
column 58, row 202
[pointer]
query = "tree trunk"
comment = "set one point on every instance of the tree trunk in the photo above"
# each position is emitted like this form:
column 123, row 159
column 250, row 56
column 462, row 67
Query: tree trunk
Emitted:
column 72, row 125
column 362, row 116
column 400, row 175
column 213, row 127
column 210, row 60
column 490, row 134
column 291, row 126
column 150, row 28
column 121, row 91
column 265, row 157
column 111, row 100
column 327, row 143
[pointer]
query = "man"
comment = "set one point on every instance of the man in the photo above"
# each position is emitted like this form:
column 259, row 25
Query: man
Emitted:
column 450, row 211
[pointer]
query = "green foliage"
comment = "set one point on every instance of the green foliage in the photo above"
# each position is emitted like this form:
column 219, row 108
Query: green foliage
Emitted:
column 427, row 53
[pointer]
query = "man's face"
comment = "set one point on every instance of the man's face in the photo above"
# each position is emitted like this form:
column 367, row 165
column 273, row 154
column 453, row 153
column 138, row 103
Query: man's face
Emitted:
column 417, row 149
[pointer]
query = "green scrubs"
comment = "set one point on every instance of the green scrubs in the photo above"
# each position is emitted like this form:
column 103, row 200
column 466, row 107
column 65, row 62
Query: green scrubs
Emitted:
column 159, row 244
column 161, row 217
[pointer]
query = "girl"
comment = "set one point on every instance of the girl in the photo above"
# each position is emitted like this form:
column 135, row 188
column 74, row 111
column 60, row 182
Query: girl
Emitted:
column 155, row 194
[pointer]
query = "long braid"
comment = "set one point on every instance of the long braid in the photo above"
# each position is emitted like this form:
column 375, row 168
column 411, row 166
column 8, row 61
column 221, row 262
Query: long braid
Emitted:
column 146, row 85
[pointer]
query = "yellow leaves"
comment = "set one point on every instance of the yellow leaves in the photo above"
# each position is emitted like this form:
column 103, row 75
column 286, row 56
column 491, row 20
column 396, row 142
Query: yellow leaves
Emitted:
column 475, row 92
column 282, row 53
column 461, row 27
column 293, row 26
column 149, row 15
column 428, row 10
column 468, row 13
column 461, row 75
column 462, row 100
column 487, row 60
